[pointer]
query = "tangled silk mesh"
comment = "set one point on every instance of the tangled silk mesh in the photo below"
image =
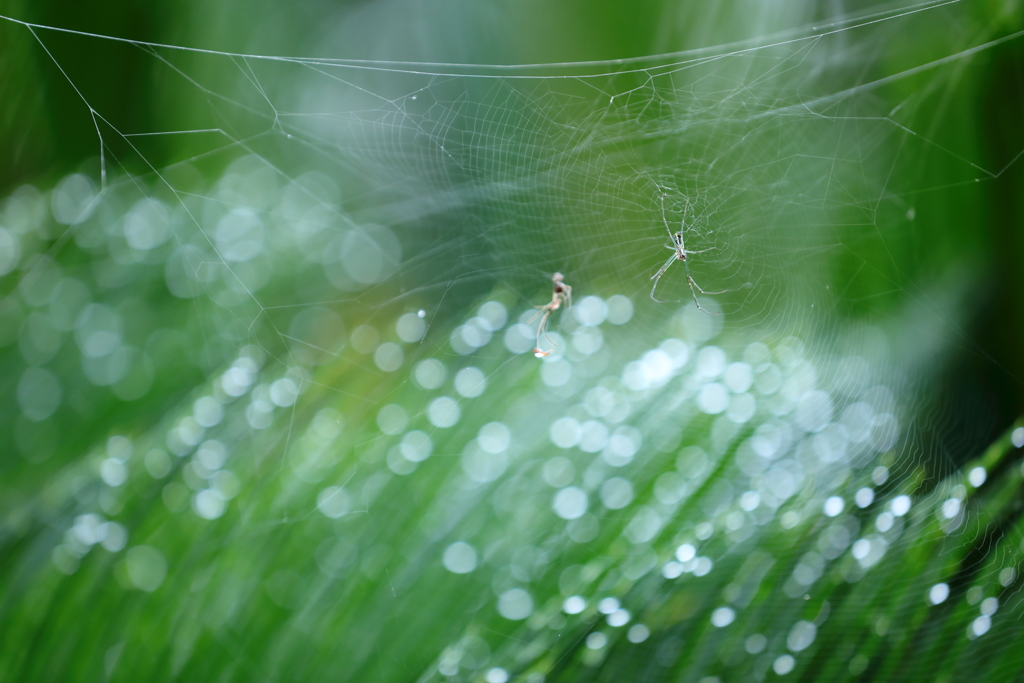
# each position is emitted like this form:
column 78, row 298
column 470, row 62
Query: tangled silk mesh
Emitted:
column 324, row 304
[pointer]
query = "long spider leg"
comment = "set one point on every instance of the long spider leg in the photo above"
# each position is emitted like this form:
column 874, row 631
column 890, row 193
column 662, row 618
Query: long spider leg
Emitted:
column 701, row 251
column 657, row 276
column 664, row 219
column 542, row 309
column 704, row 291
column 542, row 328
column 696, row 303
column 693, row 283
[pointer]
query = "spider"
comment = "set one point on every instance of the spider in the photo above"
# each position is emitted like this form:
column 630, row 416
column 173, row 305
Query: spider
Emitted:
column 680, row 254
column 560, row 293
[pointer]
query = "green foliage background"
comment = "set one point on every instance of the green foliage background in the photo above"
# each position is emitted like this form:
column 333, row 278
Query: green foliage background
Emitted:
column 271, row 588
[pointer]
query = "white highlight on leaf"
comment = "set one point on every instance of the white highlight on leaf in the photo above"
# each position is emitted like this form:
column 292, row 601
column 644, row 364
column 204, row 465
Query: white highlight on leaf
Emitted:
column 515, row 604
column 460, row 558
column 570, row 503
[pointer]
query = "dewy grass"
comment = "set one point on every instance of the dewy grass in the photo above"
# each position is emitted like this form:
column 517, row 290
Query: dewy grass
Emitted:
column 272, row 414
column 201, row 495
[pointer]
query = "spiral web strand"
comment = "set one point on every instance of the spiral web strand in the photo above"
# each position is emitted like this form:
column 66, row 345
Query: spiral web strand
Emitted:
column 353, row 251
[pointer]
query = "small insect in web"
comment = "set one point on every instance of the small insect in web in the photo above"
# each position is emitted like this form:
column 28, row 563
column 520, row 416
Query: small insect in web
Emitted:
column 679, row 254
column 560, row 293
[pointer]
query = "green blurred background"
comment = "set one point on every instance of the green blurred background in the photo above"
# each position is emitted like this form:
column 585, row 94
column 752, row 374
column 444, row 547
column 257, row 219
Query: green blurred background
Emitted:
column 348, row 232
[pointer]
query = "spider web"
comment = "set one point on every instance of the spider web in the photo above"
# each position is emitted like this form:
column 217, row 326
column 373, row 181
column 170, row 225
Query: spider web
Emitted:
column 352, row 250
